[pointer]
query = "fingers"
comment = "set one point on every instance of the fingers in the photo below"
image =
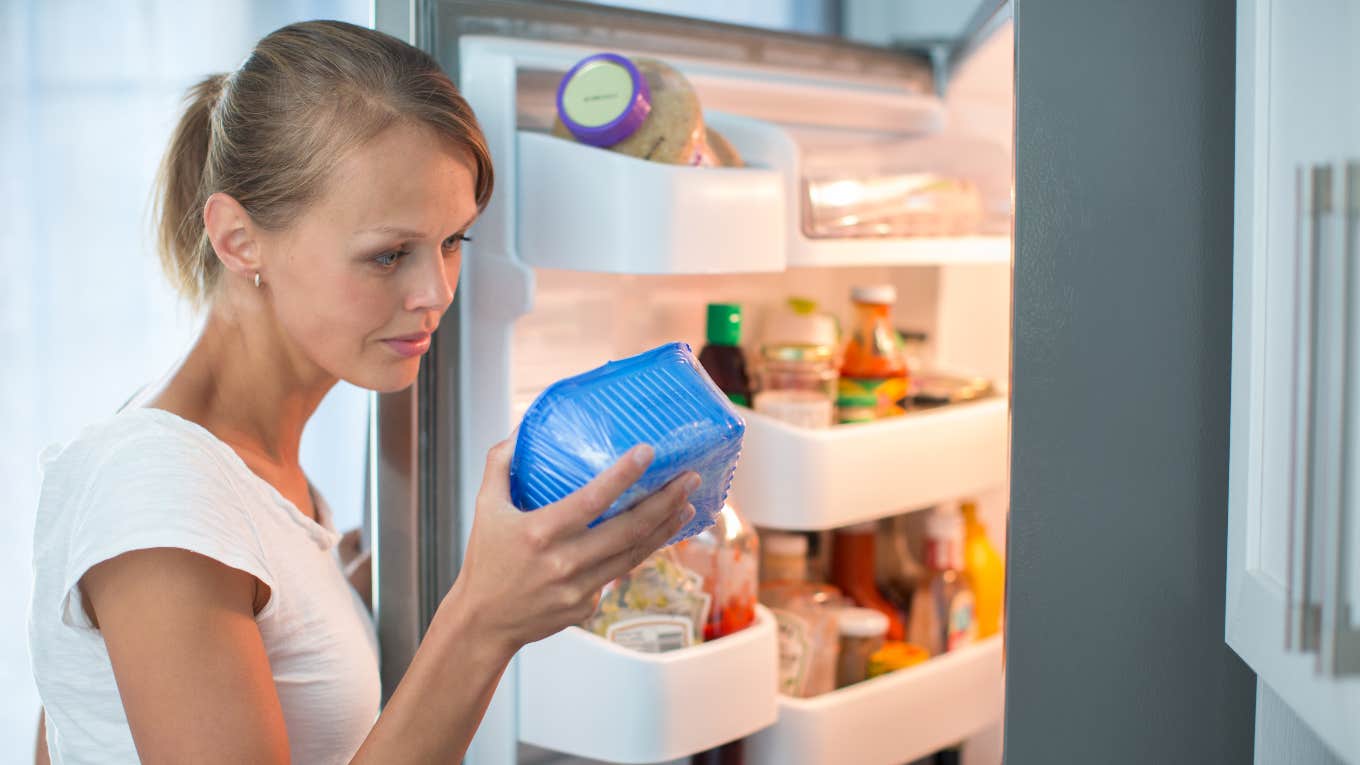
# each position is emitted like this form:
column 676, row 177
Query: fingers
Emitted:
column 631, row 557
column 573, row 513
column 632, row 528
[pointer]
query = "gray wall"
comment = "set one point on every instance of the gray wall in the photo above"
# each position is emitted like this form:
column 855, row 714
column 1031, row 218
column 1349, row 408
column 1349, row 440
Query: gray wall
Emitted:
column 1123, row 292
column 1282, row 738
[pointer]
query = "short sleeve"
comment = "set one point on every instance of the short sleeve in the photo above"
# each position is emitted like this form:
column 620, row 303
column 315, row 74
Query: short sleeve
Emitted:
column 158, row 488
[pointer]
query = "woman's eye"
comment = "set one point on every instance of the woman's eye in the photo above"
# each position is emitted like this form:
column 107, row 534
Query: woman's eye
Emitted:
column 453, row 242
column 389, row 259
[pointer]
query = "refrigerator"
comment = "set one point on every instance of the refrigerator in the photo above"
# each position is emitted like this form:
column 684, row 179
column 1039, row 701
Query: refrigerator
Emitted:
column 585, row 255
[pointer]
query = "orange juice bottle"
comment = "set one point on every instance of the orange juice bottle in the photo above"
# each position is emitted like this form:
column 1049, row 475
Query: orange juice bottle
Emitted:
column 875, row 365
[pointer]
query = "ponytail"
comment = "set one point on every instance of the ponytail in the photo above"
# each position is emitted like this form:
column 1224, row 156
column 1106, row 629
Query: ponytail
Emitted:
column 185, row 253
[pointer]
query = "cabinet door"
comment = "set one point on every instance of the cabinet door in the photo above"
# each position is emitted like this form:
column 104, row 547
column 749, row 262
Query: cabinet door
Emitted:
column 1293, row 554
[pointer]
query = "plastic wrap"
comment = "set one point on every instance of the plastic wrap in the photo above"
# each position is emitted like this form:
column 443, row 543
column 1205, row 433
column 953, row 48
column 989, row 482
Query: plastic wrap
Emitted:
column 580, row 426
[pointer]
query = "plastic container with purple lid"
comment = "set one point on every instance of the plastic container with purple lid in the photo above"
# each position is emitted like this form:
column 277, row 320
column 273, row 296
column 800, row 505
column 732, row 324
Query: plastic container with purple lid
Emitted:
column 603, row 99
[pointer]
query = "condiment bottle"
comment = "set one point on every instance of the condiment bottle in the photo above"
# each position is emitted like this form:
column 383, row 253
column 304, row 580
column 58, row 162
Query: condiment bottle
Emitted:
column 874, row 363
column 942, row 613
column 784, row 557
column 986, row 571
column 722, row 356
column 852, row 570
column 726, row 555
column 862, row 631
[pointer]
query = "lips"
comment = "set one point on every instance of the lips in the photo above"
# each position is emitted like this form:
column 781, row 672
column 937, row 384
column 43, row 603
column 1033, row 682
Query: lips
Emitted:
column 408, row 346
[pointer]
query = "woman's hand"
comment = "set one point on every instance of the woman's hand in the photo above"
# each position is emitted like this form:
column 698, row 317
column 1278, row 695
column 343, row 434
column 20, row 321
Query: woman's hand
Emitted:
column 528, row 575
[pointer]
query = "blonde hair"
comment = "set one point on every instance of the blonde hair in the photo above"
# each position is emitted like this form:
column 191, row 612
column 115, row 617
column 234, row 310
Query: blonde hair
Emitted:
column 270, row 133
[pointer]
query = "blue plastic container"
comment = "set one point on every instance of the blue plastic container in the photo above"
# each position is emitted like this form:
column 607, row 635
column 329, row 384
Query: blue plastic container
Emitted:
column 580, row 426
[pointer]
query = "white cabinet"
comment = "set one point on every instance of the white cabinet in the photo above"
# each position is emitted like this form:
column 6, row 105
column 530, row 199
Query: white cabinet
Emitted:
column 1293, row 604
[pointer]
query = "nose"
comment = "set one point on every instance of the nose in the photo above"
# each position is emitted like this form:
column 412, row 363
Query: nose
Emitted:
column 434, row 284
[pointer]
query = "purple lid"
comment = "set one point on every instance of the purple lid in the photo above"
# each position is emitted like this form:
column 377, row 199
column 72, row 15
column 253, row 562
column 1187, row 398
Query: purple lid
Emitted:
column 620, row 106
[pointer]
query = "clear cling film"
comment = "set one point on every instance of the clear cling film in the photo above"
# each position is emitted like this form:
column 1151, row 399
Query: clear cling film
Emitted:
column 580, row 426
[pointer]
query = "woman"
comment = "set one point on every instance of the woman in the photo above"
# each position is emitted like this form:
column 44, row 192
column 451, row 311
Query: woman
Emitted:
column 188, row 603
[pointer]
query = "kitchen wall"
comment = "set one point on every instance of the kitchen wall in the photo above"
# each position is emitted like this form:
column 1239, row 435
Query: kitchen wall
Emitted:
column 91, row 90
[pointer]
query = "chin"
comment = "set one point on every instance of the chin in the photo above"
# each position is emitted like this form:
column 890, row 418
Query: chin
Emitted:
column 389, row 379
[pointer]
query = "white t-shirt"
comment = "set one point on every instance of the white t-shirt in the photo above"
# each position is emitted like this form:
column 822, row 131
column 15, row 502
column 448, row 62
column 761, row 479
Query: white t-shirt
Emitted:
column 148, row 478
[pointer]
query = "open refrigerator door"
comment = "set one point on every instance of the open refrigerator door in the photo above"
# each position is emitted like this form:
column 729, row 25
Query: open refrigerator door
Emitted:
column 854, row 172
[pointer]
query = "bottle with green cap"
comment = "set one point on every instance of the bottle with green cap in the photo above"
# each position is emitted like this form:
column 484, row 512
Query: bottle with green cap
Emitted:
column 722, row 356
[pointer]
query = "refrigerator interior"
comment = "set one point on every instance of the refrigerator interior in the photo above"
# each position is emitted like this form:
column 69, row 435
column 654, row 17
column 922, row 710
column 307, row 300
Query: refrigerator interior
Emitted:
column 548, row 292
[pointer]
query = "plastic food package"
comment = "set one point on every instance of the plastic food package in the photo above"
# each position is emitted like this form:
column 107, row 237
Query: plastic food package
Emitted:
column 580, row 426
column 639, row 107
column 658, row 606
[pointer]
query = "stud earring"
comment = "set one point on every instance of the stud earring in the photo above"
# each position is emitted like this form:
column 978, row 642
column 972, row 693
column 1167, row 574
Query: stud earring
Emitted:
column 257, row 279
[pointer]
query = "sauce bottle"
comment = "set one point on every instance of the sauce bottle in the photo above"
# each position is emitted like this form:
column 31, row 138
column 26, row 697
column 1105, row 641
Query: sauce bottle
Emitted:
column 942, row 611
column 986, row 571
column 874, row 364
column 722, row 357
column 852, row 570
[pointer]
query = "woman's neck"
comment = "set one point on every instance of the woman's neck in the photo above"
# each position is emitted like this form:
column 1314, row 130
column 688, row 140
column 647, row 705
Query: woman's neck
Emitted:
column 243, row 382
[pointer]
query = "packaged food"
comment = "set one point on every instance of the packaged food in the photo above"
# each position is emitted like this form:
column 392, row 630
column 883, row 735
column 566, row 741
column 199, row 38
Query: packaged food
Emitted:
column 723, row 151
column 986, row 571
column 784, row 557
column 726, row 556
column 942, row 612
column 895, row 655
column 852, row 570
column 658, row 606
column 874, row 364
column 580, row 426
column 862, row 631
column 722, row 356
column 642, row 108
column 809, row 644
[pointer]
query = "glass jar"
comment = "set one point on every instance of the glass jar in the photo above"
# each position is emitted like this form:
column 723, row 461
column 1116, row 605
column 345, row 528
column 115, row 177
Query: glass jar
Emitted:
column 726, row 555
column 797, row 384
column 862, row 631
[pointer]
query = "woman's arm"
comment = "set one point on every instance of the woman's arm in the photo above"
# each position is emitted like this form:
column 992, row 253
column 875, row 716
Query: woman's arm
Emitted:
column 40, row 755
column 191, row 665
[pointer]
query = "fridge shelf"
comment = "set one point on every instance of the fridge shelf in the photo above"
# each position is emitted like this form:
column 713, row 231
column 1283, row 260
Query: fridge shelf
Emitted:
column 587, row 209
column 802, row 479
column 919, row 251
column 585, row 696
column 891, row 719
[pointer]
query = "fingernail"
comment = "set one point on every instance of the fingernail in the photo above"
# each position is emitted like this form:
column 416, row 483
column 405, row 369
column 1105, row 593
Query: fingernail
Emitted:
column 642, row 455
column 692, row 482
column 689, row 514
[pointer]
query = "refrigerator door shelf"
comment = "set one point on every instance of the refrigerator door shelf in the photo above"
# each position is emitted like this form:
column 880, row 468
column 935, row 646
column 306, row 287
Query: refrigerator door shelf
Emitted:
column 891, row 719
column 587, row 209
column 803, row 479
column 770, row 145
column 585, row 696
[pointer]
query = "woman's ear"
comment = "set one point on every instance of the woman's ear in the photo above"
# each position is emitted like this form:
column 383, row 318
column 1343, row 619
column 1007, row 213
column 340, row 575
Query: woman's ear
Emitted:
column 232, row 234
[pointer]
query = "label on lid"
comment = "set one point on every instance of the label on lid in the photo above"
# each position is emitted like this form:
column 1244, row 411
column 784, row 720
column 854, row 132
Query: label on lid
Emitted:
column 597, row 93
column 652, row 634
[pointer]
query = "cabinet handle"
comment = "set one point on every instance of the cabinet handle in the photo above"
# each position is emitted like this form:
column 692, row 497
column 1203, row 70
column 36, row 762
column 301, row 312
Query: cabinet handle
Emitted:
column 1301, row 421
column 1340, row 646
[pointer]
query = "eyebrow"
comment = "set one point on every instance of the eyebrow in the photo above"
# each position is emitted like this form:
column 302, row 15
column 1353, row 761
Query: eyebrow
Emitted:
column 406, row 233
